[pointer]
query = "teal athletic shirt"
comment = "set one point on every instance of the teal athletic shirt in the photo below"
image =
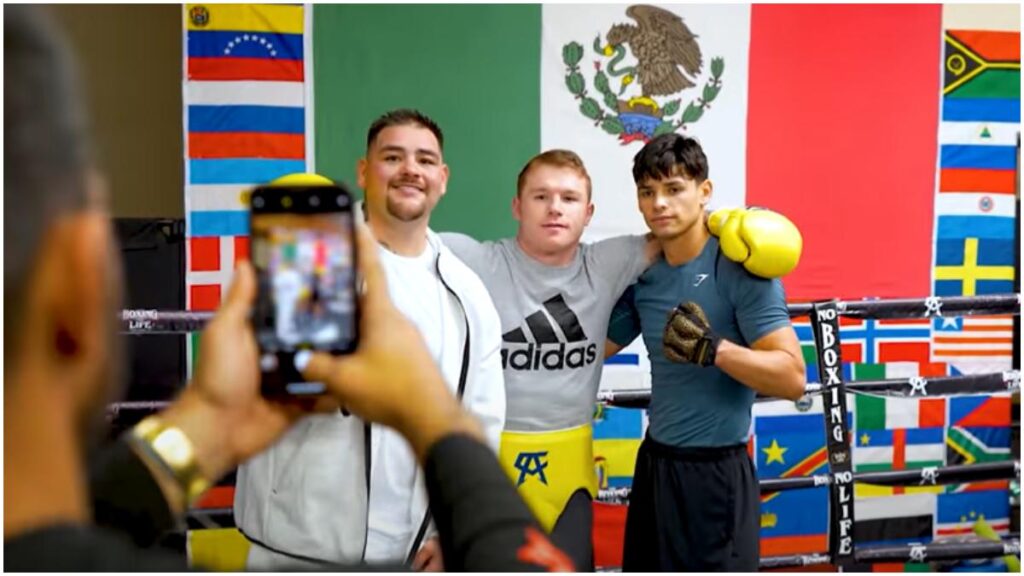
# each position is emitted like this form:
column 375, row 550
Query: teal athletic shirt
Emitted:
column 693, row 406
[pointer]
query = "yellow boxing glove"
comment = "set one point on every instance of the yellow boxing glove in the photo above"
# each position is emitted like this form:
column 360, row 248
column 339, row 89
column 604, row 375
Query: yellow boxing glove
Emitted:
column 767, row 243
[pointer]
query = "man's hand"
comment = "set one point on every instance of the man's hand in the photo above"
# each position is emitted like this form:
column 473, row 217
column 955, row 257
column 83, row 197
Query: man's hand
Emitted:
column 391, row 378
column 428, row 559
column 222, row 412
column 688, row 337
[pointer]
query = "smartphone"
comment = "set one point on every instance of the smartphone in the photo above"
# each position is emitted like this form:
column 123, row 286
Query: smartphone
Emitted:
column 303, row 249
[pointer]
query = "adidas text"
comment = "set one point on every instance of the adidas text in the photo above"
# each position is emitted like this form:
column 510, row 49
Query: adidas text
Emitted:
column 534, row 357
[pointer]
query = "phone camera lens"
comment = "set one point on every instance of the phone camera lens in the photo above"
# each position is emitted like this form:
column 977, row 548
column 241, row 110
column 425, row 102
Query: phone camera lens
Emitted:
column 314, row 201
column 257, row 202
column 342, row 201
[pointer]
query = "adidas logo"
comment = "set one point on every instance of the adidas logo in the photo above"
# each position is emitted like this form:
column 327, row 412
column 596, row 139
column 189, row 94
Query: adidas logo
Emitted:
column 558, row 340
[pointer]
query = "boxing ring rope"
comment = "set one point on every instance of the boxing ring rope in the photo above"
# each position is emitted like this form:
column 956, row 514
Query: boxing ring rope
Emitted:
column 825, row 326
column 140, row 322
column 1008, row 381
column 930, row 476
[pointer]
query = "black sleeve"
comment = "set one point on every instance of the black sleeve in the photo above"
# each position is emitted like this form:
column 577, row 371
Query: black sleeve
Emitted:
column 125, row 496
column 483, row 524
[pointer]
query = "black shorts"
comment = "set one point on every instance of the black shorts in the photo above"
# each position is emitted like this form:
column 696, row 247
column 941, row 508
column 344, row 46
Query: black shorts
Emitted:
column 692, row 509
column 573, row 531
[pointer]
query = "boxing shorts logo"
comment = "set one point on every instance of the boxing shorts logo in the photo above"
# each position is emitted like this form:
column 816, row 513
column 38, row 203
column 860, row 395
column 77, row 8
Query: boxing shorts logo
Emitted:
column 531, row 464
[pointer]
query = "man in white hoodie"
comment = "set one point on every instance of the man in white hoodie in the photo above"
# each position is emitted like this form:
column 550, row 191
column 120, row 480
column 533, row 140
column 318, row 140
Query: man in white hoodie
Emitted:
column 336, row 489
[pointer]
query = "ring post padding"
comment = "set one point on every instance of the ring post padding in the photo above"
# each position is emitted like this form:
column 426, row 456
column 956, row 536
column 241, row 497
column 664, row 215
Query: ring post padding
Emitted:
column 825, row 326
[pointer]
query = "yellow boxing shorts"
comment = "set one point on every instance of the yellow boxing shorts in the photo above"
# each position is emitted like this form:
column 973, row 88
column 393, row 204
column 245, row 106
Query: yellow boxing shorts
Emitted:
column 549, row 467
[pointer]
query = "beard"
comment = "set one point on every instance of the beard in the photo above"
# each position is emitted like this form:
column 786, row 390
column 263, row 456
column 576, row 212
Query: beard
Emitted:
column 407, row 211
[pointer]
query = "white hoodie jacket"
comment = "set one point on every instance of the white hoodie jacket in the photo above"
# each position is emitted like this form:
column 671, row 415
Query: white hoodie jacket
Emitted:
column 306, row 497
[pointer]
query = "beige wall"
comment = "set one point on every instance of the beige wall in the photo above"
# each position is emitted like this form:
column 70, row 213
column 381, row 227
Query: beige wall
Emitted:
column 130, row 62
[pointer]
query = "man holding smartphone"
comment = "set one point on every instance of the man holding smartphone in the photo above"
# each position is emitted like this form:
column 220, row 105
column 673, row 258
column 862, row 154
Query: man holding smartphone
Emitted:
column 288, row 499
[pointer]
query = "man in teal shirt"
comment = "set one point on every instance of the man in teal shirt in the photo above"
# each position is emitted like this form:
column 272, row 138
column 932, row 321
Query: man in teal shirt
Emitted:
column 728, row 337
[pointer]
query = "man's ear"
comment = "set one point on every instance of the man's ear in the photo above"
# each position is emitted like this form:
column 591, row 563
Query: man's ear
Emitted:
column 706, row 189
column 72, row 294
column 445, row 174
column 361, row 173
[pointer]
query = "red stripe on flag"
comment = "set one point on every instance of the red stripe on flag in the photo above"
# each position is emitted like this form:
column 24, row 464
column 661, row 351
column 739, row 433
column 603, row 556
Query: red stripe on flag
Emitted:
column 976, row 180
column 204, row 254
column 991, row 45
column 931, row 413
column 782, row 545
column 899, row 454
column 204, row 297
column 818, row 92
column 904, row 352
column 246, row 145
column 994, row 411
column 609, row 534
column 244, row 69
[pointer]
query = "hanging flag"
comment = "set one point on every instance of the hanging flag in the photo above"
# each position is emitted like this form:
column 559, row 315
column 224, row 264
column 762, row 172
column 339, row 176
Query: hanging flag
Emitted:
column 889, row 413
column 790, row 442
column 972, row 338
column 958, row 512
column 245, row 124
column 617, row 436
column 903, row 519
column 977, row 444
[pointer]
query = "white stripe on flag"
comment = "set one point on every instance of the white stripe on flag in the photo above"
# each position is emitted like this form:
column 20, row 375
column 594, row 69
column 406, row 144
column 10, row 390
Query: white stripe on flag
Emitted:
column 895, row 507
column 218, row 197
column 902, row 413
column 981, row 17
column 872, row 455
column 999, row 133
column 974, row 204
column 994, row 346
column 925, row 453
column 224, row 275
column 1000, row 525
column 245, row 92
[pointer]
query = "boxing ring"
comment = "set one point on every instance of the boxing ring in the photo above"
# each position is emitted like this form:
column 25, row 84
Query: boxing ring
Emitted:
column 840, row 480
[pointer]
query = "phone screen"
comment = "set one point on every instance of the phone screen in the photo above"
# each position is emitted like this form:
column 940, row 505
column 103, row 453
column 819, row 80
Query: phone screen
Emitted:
column 302, row 246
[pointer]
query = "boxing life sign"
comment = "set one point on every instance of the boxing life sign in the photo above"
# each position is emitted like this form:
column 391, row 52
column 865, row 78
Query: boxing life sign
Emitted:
column 825, row 324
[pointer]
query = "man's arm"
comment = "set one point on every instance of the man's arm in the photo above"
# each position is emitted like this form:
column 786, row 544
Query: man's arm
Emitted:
column 465, row 248
column 623, row 325
column 487, row 396
column 619, row 261
column 773, row 365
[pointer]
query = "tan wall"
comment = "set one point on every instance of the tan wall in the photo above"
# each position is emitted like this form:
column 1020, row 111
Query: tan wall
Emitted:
column 130, row 62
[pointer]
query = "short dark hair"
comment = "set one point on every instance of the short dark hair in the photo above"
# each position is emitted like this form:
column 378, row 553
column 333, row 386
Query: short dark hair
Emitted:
column 404, row 117
column 47, row 151
column 557, row 158
column 665, row 154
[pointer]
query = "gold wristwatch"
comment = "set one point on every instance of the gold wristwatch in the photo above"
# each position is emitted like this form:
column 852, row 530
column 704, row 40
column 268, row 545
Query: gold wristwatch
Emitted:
column 169, row 448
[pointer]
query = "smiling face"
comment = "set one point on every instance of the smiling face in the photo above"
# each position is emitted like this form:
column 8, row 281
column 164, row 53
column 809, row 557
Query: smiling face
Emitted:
column 553, row 207
column 403, row 174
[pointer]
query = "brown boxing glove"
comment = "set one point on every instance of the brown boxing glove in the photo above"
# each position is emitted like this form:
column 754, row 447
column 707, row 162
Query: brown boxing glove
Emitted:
column 688, row 337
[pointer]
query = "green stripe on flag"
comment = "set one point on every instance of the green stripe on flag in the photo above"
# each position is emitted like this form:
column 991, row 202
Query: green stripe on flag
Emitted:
column 810, row 354
column 990, row 84
column 868, row 371
column 194, row 338
column 869, row 413
column 473, row 69
column 965, row 449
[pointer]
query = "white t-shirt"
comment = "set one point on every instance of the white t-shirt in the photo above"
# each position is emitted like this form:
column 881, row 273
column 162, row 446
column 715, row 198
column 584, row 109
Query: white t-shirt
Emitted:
column 417, row 292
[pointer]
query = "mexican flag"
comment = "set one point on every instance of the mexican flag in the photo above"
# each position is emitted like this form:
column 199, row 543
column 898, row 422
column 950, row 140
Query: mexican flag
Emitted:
column 792, row 104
